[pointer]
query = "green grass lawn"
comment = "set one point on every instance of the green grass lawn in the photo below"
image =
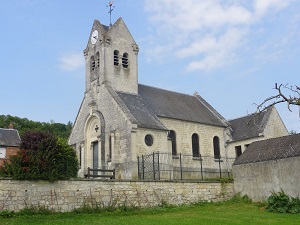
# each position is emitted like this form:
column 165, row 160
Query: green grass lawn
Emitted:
column 219, row 213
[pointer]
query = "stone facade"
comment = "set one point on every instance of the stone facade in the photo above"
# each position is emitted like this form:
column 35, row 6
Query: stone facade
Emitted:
column 119, row 120
column 68, row 195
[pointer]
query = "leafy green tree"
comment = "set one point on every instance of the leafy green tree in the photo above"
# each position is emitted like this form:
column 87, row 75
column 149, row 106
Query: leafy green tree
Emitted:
column 42, row 157
column 23, row 125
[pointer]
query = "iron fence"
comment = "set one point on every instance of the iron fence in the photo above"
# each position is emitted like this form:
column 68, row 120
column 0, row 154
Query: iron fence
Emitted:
column 165, row 166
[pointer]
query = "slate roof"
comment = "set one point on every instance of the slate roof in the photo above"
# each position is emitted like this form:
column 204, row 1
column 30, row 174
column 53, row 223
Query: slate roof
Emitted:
column 9, row 138
column 271, row 149
column 249, row 126
column 140, row 112
column 151, row 103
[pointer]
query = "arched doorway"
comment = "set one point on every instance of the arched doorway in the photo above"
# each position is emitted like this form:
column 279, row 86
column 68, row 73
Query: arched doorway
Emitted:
column 95, row 142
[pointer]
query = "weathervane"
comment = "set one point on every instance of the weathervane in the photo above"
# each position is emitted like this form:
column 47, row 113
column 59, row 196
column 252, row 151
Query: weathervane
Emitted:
column 111, row 8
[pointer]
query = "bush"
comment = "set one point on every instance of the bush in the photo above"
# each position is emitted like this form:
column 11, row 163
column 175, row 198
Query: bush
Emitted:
column 42, row 157
column 282, row 203
column 7, row 214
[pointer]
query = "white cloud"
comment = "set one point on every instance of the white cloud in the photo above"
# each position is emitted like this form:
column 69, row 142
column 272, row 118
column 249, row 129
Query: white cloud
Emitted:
column 207, row 33
column 71, row 62
column 263, row 6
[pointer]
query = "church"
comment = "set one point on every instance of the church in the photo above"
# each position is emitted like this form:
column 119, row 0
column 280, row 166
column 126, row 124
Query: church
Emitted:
column 121, row 120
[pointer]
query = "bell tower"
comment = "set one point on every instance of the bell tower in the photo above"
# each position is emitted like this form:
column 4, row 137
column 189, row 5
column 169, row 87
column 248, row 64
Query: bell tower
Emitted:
column 111, row 58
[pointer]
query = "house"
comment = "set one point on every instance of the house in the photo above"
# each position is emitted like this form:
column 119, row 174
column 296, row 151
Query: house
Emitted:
column 254, row 127
column 9, row 143
column 269, row 165
column 121, row 122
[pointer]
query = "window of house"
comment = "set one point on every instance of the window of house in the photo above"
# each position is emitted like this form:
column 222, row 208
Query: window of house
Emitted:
column 116, row 57
column 216, row 142
column 149, row 140
column 246, row 146
column 195, row 145
column 93, row 63
column 2, row 153
column 172, row 137
column 125, row 60
column 238, row 151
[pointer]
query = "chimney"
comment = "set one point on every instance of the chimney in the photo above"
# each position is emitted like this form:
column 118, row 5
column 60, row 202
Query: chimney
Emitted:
column 11, row 126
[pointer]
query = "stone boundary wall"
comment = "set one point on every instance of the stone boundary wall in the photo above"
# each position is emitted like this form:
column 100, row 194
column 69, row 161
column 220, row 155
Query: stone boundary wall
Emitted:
column 66, row 195
column 259, row 180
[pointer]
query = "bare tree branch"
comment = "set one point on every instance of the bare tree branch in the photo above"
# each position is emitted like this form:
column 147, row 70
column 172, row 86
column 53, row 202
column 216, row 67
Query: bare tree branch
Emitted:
column 285, row 93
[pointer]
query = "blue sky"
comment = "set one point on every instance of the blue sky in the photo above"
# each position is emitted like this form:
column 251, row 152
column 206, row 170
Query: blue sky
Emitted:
column 231, row 52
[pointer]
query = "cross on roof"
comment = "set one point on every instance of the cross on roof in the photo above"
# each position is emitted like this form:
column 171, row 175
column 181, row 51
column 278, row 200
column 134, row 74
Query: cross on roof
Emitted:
column 111, row 8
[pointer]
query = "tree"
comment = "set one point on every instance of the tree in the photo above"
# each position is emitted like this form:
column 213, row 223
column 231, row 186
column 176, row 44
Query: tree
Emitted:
column 42, row 157
column 285, row 93
column 23, row 125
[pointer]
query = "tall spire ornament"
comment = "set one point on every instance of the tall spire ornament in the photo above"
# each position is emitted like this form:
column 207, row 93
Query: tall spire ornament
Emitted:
column 111, row 8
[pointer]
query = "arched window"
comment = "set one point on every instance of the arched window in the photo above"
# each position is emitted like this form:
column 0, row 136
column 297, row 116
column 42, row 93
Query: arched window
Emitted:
column 216, row 142
column 195, row 145
column 125, row 60
column 116, row 57
column 97, row 60
column 93, row 64
column 172, row 137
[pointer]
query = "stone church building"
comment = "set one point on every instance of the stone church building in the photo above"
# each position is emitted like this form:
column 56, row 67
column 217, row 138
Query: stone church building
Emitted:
column 120, row 119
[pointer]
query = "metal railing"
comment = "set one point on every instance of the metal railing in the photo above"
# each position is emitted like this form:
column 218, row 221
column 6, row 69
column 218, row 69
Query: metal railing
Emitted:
column 165, row 166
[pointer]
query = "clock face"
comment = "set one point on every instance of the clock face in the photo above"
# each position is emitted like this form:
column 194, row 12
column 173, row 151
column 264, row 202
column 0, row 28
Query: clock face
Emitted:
column 94, row 37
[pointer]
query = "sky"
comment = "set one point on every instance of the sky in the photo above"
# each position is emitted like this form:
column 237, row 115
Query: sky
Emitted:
column 232, row 52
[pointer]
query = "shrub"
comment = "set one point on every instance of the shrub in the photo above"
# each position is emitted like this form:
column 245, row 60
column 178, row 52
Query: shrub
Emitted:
column 35, row 210
column 7, row 214
column 42, row 156
column 282, row 203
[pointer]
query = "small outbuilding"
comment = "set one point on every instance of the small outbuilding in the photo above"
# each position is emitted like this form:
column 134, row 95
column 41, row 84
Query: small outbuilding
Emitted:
column 9, row 143
column 269, row 165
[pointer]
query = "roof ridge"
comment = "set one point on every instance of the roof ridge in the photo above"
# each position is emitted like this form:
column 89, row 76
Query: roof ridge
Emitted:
column 121, row 104
column 211, row 109
column 176, row 92
column 8, row 129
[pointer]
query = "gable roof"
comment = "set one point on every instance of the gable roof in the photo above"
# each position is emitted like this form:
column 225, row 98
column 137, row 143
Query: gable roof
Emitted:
column 151, row 103
column 9, row 138
column 249, row 126
column 140, row 112
column 271, row 149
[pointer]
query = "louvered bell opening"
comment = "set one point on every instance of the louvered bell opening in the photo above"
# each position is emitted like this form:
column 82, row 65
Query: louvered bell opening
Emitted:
column 116, row 58
column 125, row 60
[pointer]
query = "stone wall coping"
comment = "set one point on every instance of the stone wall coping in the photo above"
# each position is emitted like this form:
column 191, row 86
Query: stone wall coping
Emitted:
column 120, row 181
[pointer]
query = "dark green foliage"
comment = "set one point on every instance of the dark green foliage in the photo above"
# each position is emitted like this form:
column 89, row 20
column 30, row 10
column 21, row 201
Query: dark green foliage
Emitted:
column 23, row 125
column 42, row 157
column 35, row 210
column 7, row 214
column 238, row 198
column 282, row 203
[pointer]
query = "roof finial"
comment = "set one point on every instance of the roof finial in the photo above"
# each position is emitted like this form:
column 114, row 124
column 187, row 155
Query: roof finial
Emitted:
column 111, row 8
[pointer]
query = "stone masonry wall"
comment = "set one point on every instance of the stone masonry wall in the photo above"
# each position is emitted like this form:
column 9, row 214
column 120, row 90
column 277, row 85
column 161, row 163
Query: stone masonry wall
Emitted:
column 67, row 195
column 258, row 180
